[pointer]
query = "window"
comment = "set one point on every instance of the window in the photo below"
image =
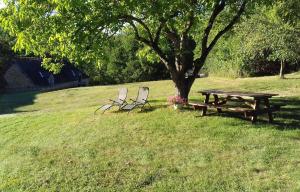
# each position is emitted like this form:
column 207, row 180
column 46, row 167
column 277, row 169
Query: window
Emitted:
column 74, row 75
column 41, row 74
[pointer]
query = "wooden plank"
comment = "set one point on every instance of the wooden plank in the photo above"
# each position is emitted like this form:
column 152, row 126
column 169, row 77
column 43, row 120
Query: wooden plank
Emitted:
column 206, row 102
column 207, row 105
column 234, row 108
column 255, row 112
column 267, row 104
column 198, row 104
column 216, row 102
column 238, row 93
column 240, row 109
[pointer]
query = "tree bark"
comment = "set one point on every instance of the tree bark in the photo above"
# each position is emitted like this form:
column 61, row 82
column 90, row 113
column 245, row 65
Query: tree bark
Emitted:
column 282, row 69
column 184, row 77
column 182, row 84
column 183, row 88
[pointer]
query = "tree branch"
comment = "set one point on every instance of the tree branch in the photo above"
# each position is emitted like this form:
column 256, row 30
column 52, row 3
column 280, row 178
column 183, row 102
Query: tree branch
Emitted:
column 216, row 11
column 141, row 22
column 162, row 25
column 189, row 23
column 229, row 26
column 153, row 45
column 198, row 63
column 173, row 36
column 158, row 32
column 137, row 35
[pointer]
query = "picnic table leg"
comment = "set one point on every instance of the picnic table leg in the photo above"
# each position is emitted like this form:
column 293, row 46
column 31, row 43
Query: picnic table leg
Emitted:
column 267, row 104
column 205, row 102
column 255, row 112
column 216, row 102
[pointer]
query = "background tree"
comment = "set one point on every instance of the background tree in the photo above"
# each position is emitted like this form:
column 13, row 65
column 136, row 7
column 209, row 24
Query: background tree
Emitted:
column 261, row 43
column 78, row 30
column 126, row 60
column 285, row 46
column 285, row 31
column 5, row 43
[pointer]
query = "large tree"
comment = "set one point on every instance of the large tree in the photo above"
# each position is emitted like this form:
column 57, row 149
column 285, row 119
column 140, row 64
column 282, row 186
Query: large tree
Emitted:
column 77, row 29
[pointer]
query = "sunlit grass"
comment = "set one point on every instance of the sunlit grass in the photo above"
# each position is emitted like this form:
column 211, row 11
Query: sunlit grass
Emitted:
column 51, row 141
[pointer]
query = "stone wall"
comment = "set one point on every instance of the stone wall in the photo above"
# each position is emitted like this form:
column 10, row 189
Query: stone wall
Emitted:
column 16, row 79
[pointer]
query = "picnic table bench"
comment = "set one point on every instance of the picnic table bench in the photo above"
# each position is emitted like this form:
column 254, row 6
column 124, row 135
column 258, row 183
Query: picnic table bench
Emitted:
column 250, row 103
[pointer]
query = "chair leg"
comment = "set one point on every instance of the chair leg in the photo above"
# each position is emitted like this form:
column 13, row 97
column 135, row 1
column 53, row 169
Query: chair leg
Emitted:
column 121, row 106
column 97, row 110
column 142, row 107
column 103, row 110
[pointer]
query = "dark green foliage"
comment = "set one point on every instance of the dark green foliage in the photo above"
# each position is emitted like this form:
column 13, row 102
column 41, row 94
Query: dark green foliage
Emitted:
column 120, row 63
column 5, row 53
column 5, row 43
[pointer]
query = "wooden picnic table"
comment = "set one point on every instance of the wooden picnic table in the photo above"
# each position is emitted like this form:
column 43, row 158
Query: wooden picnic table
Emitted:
column 251, row 100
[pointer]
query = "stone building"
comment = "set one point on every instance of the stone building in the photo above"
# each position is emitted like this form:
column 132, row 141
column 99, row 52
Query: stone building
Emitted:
column 28, row 74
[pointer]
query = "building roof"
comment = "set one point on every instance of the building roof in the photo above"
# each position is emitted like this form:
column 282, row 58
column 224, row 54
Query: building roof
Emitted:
column 39, row 76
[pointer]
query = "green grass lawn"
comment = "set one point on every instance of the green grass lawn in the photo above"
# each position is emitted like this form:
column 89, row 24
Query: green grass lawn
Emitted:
column 52, row 142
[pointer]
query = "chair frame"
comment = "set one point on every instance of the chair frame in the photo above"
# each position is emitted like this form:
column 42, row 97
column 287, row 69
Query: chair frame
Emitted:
column 136, row 103
column 114, row 103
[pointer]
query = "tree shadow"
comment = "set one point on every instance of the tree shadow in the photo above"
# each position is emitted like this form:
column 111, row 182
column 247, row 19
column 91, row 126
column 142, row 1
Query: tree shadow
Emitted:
column 153, row 108
column 289, row 113
column 10, row 102
column 293, row 78
column 157, row 101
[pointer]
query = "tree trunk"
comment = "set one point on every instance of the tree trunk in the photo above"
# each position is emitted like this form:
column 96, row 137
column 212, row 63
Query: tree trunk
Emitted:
column 282, row 68
column 183, row 86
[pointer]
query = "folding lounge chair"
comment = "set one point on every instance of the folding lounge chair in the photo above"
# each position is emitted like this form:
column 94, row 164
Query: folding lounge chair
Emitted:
column 120, row 101
column 141, row 100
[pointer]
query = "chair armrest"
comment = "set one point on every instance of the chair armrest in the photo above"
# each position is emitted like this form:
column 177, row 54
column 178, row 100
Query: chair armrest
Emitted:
column 115, row 100
column 118, row 102
column 133, row 100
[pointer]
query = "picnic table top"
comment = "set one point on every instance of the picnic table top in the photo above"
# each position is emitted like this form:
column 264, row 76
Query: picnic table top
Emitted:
column 237, row 93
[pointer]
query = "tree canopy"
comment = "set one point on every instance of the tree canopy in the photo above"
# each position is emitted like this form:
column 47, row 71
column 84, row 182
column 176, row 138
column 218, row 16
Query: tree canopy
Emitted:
column 180, row 33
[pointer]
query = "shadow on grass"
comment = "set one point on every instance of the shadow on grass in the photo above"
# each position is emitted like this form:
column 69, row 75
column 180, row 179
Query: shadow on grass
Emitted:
column 146, row 109
column 289, row 114
column 9, row 103
column 293, row 78
column 288, row 117
column 158, row 101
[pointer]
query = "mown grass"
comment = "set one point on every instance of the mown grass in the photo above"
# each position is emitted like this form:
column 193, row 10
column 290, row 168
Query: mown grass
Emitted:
column 52, row 142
